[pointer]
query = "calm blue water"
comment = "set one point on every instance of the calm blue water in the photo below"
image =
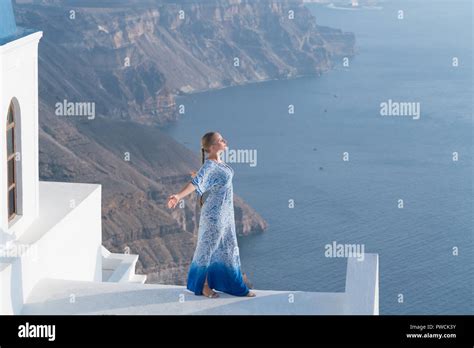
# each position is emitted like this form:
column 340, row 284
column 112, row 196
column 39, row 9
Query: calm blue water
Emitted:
column 390, row 158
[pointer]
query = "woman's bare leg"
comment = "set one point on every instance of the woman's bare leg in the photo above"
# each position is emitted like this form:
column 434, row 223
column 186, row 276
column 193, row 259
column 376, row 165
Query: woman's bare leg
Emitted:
column 249, row 285
column 207, row 291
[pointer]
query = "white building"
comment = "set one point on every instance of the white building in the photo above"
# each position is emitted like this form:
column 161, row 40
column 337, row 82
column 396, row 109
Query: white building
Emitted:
column 51, row 256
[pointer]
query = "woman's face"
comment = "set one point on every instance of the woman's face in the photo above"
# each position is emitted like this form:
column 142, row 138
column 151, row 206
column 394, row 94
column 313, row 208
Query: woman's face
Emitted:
column 219, row 143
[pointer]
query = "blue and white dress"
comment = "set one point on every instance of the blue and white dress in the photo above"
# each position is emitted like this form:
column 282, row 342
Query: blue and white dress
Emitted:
column 217, row 252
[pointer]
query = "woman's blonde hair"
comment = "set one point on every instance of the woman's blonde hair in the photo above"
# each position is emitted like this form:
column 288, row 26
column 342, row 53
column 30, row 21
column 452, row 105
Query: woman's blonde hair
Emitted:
column 206, row 142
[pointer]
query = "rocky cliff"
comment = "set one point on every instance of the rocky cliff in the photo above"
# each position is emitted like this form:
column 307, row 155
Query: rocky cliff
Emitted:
column 131, row 58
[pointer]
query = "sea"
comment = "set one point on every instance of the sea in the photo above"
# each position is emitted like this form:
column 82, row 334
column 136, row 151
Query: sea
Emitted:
column 376, row 153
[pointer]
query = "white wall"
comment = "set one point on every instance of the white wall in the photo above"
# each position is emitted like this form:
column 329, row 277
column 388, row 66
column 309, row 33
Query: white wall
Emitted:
column 70, row 249
column 362, row 285
column 19, row 79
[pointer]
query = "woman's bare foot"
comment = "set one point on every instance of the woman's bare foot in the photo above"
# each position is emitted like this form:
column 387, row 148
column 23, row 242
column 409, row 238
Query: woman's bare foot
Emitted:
column 208, row 292
column 247, row 281
column 251, row 294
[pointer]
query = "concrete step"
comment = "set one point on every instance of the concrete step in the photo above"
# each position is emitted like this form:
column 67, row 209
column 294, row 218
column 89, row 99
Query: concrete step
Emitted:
column 138, row 278
column 118, row 268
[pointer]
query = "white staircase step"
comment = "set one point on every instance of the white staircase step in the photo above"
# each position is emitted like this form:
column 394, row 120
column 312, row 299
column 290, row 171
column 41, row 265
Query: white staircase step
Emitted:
column 138, row 278
column 120, row 268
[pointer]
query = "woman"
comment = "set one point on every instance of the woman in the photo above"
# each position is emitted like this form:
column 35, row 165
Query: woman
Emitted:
column 216, row 260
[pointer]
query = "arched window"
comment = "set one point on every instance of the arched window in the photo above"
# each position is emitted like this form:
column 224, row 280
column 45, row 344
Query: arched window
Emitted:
column 12, row 182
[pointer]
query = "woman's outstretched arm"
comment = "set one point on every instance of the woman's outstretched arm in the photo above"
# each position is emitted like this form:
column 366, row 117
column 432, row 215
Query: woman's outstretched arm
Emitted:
column 174, row 199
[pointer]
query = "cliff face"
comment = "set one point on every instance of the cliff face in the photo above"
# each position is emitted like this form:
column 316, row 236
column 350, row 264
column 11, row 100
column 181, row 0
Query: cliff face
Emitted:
column 131, row 58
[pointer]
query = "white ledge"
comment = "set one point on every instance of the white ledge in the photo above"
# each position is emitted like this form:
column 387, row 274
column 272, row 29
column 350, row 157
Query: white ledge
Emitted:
column 52, row 297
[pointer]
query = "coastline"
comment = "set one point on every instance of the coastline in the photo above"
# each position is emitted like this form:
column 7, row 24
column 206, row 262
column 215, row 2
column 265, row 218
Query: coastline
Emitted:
column 179, row 95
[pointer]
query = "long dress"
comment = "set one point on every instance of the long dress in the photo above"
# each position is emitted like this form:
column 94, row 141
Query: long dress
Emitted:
column 217, row 252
